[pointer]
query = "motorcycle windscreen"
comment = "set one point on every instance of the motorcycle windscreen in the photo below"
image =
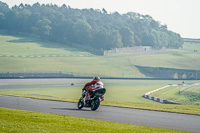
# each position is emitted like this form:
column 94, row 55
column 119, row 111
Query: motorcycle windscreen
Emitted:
column 99, row 92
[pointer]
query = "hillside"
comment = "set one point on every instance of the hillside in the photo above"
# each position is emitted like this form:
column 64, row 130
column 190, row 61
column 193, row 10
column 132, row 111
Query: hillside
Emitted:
column 93, row 28
column 191, row 40
column 22, row 54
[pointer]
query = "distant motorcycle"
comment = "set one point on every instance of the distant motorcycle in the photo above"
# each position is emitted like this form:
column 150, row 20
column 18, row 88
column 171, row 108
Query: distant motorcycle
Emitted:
column 95, row 97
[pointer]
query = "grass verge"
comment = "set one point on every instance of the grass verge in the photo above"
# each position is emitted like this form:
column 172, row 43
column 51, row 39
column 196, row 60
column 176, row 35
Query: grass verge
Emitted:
column 26, row 122
column 121, row 93
column 190, row 96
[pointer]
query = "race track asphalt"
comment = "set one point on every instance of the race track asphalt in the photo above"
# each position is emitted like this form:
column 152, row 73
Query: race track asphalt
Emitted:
column 182, row 122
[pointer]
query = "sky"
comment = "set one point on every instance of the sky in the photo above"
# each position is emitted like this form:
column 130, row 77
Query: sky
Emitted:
column 180, row 16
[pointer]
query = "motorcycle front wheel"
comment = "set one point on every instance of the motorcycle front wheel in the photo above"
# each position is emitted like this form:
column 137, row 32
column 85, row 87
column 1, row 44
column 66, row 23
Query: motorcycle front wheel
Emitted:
column 80, row 103
column 95, row 104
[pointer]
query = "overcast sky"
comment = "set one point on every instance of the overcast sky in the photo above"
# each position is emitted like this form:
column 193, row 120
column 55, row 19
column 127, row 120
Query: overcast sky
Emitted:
column 181, row 16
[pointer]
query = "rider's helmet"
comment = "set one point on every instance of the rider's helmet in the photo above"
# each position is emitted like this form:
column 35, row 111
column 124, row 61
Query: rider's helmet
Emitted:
column 96, row 78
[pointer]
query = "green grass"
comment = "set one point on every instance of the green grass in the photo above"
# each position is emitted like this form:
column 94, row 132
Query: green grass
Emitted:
column 119, row 93
column 84, row 63
column 194, row 89
column 189, row 97
column 21, row 54
column 191, row 46
column 26, row 122
column 10, row 45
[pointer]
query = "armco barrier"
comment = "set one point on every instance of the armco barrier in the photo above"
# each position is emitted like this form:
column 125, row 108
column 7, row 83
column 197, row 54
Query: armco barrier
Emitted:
column 147, row 96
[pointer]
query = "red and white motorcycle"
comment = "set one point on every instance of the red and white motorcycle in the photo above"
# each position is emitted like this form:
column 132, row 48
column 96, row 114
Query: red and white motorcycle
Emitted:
column 95, row 97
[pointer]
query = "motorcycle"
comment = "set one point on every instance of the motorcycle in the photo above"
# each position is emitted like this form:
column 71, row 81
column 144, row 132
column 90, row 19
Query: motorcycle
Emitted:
column 95, row 97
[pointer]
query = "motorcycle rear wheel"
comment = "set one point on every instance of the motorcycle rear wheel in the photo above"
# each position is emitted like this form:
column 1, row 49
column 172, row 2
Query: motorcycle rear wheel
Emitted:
column 95, row 104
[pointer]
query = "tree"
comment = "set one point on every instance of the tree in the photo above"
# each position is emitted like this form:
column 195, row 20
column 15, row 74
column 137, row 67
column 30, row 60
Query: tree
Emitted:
column 4, row 7
column 164, row 37
column 155, row 40
column 42, row 28
column 87, row 27
column 2, row 20
column 127, row 37
column 81, row 31
column 21, row 6
column 22, row 20
column 116, row 39
column 104, row 11
column 36, row 5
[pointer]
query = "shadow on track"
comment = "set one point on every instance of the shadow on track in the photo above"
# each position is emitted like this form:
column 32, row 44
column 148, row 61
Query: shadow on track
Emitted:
column 73, row 109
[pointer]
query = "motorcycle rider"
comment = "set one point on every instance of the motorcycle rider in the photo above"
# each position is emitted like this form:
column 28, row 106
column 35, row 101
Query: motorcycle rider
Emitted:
column 89, row 87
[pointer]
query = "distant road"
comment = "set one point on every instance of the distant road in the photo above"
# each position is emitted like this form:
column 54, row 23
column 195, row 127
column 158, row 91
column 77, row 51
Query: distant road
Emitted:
column 39, row 81
column 158, row 119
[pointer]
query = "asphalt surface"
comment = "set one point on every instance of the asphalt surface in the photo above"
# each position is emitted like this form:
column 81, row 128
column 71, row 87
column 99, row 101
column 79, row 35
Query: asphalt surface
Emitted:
column 158, row 119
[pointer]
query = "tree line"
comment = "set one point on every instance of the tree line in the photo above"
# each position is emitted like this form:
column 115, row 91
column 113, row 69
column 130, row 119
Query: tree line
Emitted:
column 88, row 27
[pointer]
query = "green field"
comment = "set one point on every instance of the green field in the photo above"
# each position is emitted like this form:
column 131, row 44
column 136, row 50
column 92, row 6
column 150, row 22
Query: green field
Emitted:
column 22, row 54
column 32, row 55
column 26, row 122
column 191, row 95
column 172, row 94
column 192, row 46
column 121, row 93
column 26, row 46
